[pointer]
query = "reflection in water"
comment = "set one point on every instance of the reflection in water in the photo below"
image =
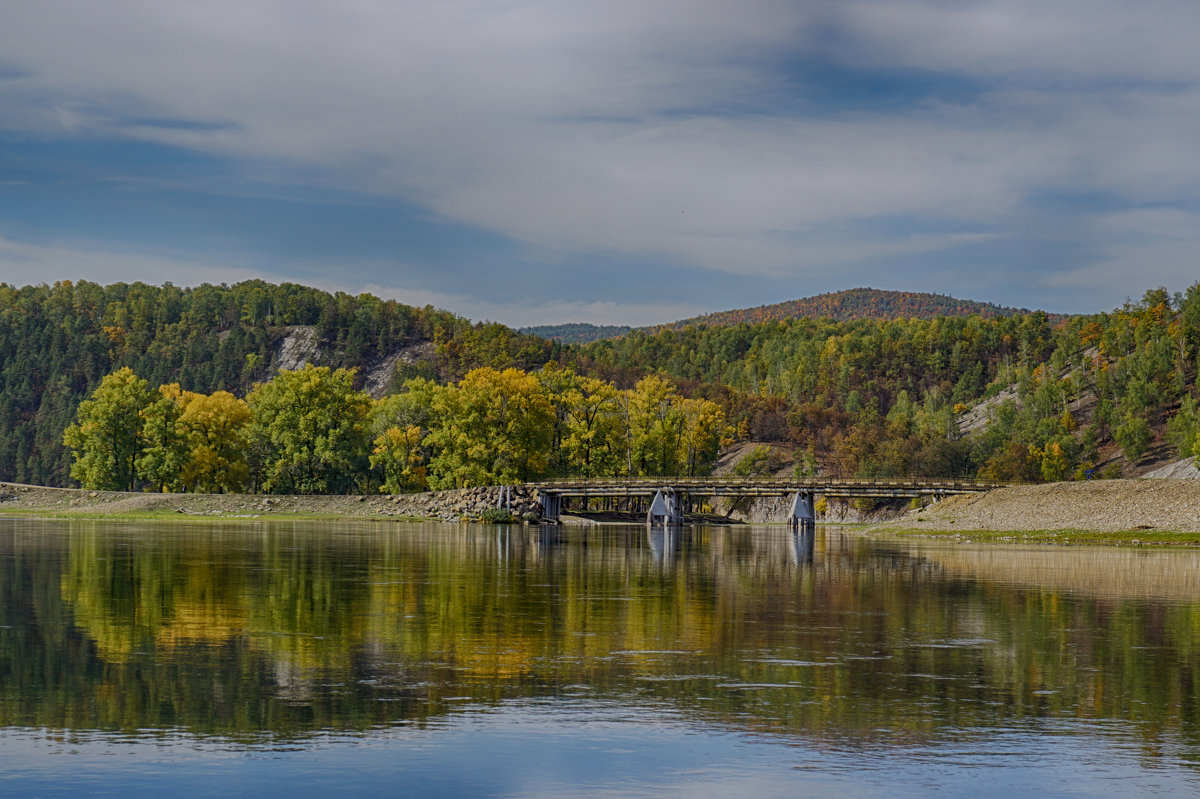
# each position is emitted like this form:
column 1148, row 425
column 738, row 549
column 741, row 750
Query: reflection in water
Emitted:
column 285, row 631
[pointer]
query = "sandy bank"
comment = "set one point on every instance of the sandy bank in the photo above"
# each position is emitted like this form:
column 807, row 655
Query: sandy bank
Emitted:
column 1100, row 505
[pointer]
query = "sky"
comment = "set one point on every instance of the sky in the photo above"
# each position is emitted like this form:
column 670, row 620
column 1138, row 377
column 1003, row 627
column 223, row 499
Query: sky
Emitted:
column 616, row 162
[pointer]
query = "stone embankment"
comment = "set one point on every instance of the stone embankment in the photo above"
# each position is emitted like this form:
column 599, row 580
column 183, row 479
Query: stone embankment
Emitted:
column 454, row 505
column 1097, row 505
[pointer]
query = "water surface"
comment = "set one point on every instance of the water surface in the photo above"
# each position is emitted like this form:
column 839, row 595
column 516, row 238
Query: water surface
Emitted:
column 445, row 660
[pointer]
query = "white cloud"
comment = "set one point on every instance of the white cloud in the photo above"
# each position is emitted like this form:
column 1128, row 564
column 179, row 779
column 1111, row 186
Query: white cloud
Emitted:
column 23, row 264
column 542, row 312
column 670, row 129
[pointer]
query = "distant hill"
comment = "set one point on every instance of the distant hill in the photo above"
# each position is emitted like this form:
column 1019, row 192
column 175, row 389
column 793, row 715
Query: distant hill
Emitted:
column 576, row 333
column 853, row 304
column 841, row 306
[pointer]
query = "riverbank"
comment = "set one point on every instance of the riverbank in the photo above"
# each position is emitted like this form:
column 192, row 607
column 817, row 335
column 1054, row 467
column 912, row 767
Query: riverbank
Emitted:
column 1135, row 511
column 454, row 505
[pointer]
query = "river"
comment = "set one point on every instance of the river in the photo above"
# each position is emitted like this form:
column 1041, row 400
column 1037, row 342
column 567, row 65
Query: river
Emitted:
column 449, row 660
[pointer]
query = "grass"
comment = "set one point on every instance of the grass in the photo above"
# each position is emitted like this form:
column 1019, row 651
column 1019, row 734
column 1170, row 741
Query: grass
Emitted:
column 1062, row 537
column 176, row 516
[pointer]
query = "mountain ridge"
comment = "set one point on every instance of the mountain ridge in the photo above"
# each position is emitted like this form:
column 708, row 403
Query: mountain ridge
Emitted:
column 847, row 305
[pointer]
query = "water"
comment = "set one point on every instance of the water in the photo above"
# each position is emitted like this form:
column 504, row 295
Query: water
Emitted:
column 438, row 660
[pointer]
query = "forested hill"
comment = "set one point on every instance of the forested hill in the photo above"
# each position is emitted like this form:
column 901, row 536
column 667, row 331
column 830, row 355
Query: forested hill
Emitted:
column 576, row 332
column 855, row 304
column 841, row 306
column 1006, row 397
column 57, row 342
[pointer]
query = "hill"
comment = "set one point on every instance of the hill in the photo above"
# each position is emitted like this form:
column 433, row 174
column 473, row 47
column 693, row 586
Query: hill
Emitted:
column 854, row 304
column 576, row 332
column 57, row 342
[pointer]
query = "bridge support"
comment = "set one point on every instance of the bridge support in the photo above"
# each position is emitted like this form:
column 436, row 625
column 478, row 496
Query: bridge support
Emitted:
column 551, row 506
column 666, row 508
column 802, row 516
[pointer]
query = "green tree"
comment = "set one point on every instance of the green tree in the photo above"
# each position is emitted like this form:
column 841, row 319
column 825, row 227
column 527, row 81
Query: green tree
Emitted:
column 309, row 432
column 106, row 438
column 165, row 446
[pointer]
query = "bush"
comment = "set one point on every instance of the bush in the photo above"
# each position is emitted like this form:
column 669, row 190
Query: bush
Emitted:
column 497, row 516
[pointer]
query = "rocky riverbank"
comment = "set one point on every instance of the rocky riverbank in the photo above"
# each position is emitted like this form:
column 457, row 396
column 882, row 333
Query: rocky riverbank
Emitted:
column 455, row 505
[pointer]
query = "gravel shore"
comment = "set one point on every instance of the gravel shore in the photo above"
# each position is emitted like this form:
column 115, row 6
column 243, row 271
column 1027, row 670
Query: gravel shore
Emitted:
column 1099, row 505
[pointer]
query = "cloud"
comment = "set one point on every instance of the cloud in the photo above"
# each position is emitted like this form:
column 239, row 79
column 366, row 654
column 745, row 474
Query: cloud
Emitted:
column 542, row 312
column 23, row 264
column 686, row 131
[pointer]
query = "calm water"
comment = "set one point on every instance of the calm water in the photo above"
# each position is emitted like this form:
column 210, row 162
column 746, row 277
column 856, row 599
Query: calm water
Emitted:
column 427, row 660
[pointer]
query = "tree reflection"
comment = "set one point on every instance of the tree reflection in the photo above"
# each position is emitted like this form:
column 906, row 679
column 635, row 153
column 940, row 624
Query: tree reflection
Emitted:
column 281, row 630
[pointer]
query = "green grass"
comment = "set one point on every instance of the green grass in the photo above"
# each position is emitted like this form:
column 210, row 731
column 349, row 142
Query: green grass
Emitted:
column 1063, row 537
column 175, row 516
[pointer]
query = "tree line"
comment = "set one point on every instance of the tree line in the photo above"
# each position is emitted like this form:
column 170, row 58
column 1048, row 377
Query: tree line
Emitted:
column 309, row 431
column 1052, row 398
column 58, row 341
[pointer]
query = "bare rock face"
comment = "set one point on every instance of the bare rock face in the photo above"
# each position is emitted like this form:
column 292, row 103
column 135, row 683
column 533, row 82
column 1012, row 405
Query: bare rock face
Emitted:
column 300, row 347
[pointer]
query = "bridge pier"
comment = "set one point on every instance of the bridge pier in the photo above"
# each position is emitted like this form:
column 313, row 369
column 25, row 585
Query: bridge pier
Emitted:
column 802, row 515
column 666, row 508
column 551, row 506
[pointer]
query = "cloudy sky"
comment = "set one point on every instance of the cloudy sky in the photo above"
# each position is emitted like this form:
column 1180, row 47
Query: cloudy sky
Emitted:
column 623, row 161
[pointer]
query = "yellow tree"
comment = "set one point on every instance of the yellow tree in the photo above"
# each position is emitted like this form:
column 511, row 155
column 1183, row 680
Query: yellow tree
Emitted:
column 655, row 427
column 700, row 441
column 397, row 452
column 215, row 427
column 595, row 436
column 492, row 428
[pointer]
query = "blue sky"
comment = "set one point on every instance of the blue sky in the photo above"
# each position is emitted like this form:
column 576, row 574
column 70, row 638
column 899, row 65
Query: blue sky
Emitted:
column 614, row 162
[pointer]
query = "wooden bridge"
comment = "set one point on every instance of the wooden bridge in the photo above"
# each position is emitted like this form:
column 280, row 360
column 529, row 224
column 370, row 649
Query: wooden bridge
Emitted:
column 672, row 495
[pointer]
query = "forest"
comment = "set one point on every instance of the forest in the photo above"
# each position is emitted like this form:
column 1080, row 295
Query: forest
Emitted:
column 1022, row 397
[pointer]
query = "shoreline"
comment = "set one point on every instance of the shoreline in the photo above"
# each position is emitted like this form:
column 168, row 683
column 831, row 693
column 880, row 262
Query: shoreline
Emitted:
column 1136, row 512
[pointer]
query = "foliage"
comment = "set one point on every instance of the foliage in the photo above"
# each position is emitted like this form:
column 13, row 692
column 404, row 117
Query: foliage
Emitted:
column 107, row 434
column 57, row 343
column 308, row 433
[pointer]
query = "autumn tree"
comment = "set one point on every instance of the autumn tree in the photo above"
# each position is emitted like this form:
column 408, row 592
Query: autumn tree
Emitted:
column 397, row 453
column 493, row 428
column 655, row 427
column 215, row 428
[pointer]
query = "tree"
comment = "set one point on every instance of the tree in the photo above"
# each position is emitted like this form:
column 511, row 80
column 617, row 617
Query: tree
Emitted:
column 215, row 427
column 308, row 431
column 655, row 427
column 165, row 445
column 397, row 453
column 493, row 428
column 701, row 435
column 593, row 443
column 106, row 438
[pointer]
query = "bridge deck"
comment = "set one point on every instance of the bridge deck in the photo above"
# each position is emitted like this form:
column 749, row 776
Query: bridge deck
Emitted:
column 739, row 487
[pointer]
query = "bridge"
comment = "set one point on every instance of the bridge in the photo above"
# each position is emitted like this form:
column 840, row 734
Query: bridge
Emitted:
column 671, row 496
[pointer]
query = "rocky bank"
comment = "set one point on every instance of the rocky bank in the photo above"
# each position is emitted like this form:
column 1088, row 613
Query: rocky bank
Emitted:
column 455, row 505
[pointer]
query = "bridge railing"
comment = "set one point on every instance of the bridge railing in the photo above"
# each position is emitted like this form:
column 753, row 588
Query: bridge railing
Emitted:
column 733, row 483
